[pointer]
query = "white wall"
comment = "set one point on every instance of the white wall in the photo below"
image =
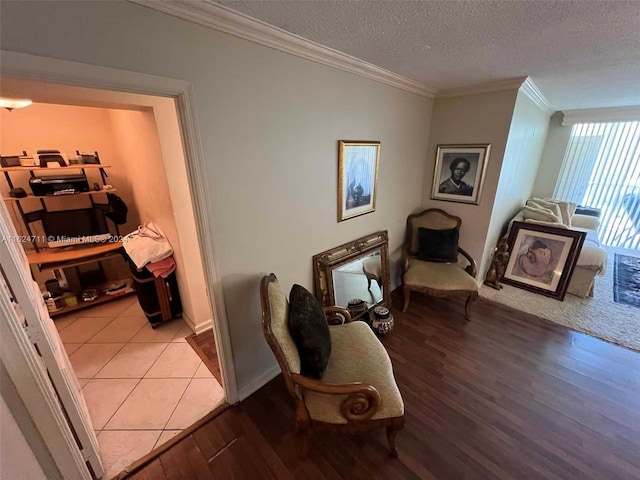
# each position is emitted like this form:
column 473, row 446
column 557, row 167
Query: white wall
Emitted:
column 554, row 150
column 16, row 458
column 137, row 141
column 270, row 123
column 480, row 118
column 522, row 155
column 23, row 453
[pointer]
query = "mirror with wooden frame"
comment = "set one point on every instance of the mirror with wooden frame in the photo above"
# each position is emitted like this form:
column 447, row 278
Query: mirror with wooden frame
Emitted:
column 358, row 269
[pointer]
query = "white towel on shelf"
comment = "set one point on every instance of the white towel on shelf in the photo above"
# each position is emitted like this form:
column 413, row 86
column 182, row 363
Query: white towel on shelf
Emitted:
column 147, row 244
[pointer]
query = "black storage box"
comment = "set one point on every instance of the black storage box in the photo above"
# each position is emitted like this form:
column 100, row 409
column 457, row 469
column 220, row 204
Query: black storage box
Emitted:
column 159, row 297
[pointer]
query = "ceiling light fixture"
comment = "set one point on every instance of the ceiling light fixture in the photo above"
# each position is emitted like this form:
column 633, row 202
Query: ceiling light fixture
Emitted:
column 11, row 103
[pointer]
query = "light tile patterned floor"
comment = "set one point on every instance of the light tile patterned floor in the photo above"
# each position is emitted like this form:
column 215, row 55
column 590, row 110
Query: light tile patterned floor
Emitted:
column 142, row 386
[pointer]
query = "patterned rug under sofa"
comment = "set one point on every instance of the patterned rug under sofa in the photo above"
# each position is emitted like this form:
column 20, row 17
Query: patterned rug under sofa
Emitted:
column 599, row 316
column 626, row 280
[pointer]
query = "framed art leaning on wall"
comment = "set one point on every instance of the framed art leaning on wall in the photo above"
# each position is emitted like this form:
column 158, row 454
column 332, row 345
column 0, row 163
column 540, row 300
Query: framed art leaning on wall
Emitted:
column 459, row 172
column 542, row 258
column 357, row 178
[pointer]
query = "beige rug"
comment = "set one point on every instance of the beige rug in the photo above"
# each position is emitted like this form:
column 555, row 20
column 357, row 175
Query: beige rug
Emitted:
column 599, row 316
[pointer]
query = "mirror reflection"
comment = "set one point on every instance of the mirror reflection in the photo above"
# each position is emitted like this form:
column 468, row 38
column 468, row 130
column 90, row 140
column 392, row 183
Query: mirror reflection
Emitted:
column 355, row 270
column 361, row 278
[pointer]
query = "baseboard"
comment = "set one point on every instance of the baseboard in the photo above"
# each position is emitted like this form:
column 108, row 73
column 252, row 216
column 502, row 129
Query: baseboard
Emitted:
column 259, row 382
column 203, row 326
column 200, row 327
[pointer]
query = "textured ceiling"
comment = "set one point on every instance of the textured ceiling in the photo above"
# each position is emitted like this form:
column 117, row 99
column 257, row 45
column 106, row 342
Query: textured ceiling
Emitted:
column 580, row 54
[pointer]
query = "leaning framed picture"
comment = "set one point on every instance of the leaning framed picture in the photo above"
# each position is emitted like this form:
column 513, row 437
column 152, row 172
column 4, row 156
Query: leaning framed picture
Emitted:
column 357, row 177
column 459, row 172
column 542, row 258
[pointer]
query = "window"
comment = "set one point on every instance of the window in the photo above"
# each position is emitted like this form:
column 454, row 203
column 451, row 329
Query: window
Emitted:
column 601, row 168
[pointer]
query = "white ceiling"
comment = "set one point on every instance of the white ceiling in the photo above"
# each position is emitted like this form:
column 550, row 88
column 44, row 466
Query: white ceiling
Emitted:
column 580, row 54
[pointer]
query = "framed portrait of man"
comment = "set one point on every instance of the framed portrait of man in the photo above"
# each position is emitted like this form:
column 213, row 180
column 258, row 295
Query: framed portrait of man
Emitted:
column 459, row 172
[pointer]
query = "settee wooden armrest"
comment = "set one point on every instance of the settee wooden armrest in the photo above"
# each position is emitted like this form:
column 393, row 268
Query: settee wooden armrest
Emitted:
column 362, row 399
column 334, row 313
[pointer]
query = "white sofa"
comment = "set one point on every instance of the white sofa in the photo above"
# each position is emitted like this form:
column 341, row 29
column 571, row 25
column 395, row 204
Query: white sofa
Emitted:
column 592, row 260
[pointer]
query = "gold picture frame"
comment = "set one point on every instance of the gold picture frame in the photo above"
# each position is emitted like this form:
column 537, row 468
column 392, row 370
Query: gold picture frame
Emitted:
column 357, row 177
column 448, row 182
column 357, row 269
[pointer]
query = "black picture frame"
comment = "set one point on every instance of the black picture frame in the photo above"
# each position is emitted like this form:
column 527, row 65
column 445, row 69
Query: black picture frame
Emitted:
column 542, row 258
column 473, row 159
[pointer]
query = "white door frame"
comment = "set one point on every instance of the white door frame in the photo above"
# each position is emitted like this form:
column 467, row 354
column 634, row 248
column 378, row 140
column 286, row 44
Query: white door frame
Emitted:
column 28, row 371
column 33, row 67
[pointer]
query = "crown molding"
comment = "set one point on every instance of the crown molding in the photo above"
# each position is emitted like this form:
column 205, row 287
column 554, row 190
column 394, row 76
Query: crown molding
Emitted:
column 532, row 91
column 223, row 19
column 601, row 115
column 524, row 84
column 497, row 86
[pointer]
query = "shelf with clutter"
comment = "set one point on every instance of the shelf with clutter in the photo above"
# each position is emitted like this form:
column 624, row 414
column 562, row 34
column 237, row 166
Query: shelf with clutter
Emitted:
column 106, row 189
column 68, row 239
column 56, row 185
column 27, row 168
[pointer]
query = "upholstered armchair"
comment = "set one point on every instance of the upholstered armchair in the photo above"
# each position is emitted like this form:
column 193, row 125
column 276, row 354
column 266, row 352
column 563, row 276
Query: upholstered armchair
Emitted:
column 436, row 278
column 358, row 391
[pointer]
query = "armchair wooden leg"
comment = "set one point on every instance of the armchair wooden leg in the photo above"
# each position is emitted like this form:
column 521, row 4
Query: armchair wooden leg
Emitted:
column 304, row 435
column 392, row 432
column 467, row 306
column 406, row 292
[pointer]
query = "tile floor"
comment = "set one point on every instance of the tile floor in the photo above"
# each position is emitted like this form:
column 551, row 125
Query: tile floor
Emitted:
column 141, row 386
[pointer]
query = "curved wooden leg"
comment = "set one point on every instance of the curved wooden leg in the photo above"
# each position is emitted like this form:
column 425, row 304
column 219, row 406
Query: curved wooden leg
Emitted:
column 392, row 432
column 304, row 434
column 406, row 292
column 368, row 282
column 467, row 306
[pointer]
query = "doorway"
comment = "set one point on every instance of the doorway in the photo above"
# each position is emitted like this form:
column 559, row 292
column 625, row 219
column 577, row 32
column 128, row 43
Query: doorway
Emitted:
column 108, row 325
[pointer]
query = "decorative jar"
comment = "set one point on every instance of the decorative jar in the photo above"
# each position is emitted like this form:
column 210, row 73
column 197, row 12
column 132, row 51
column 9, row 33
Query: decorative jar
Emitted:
column 382, row 320
column 358, row 308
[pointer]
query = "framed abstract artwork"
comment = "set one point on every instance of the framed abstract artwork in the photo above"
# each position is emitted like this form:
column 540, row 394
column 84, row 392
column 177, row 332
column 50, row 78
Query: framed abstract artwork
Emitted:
column 542, row 258
column 357, row 177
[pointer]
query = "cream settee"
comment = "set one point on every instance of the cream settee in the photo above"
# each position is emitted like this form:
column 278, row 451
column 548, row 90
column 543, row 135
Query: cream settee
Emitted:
column 592, row 260
column 358, row 391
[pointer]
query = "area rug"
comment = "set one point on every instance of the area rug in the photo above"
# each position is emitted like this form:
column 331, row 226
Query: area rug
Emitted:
column 599, row 316
column 626, row 280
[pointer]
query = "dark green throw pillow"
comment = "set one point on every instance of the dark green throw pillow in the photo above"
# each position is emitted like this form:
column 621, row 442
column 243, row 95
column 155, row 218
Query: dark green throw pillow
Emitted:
column 438, row 245
column 310, row 332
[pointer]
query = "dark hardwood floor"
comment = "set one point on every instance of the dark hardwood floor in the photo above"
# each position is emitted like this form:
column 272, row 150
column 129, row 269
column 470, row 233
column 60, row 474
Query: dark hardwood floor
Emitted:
column 506, row 395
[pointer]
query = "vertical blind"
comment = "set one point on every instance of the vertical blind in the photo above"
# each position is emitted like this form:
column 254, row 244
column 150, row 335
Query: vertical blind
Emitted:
column 601, row 168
